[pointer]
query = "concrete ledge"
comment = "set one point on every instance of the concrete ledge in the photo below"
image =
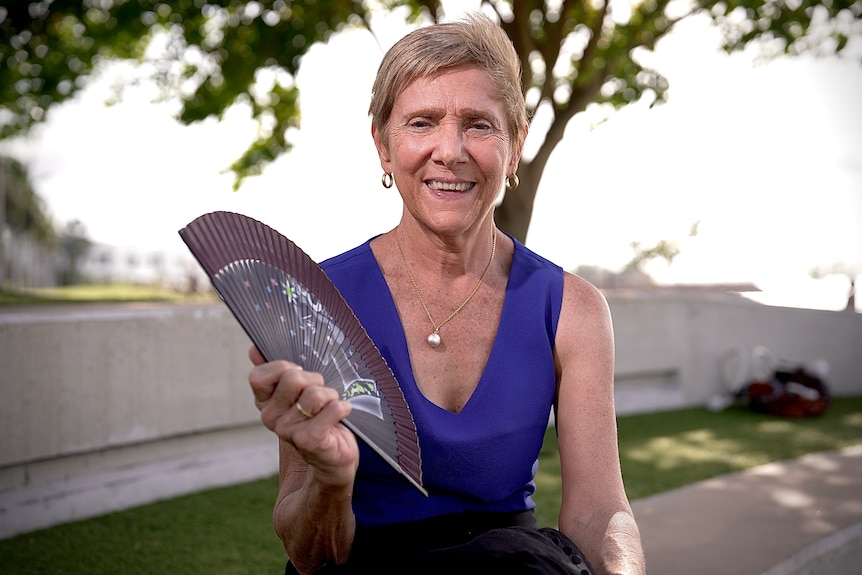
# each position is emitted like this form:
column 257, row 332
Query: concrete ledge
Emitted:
column 838, row 554
column 648, row 390
column 50, row 500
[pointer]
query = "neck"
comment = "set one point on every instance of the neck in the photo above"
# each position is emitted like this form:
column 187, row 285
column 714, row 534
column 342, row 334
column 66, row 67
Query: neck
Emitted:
column 434, row 338
column 431, row 254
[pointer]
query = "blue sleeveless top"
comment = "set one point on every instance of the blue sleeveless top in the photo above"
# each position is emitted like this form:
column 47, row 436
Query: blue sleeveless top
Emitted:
column 485, row 457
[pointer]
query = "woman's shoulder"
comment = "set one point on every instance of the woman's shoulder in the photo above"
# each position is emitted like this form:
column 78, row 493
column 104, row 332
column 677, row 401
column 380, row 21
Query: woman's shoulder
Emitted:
column 585, row 308
column 354, row 256
column 525, row 257
column 577, row 292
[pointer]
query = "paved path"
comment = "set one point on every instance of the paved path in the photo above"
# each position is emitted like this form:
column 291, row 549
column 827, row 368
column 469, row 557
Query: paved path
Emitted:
column 779, row 519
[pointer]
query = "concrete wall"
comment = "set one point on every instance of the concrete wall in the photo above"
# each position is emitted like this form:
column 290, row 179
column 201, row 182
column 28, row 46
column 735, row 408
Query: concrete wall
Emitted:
column 106, row 407
column 80, row 379
column 671, row 347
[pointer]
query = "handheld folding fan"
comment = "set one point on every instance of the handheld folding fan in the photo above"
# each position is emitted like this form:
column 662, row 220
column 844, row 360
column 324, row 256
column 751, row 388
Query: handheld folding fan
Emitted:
column 291, row 310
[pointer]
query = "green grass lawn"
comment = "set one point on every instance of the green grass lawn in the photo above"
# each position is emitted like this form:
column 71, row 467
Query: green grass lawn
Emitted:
column 97, row 293
column 228, row 531
column 662, row 451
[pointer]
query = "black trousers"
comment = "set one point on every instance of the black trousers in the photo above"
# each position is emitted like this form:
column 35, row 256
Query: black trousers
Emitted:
column 466, row 543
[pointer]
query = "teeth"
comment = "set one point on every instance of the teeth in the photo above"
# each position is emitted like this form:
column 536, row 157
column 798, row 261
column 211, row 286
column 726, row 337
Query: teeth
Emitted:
column 450, row 187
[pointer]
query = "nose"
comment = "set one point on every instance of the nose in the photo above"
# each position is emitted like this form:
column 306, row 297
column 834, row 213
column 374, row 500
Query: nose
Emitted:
column 449, row 149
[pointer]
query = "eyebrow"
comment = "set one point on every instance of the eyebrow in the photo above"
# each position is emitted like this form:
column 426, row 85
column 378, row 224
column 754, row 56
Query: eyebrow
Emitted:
column 464, row 113
column 423, row 112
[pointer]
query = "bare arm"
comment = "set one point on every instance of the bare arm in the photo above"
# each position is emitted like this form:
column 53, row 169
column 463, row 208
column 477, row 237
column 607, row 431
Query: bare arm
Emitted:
column 318, row 458
column 313, row 520
column 595, row 512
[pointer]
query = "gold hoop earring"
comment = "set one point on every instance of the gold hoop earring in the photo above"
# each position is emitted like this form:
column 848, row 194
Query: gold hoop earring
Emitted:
column 387, row 180
column 512, row 182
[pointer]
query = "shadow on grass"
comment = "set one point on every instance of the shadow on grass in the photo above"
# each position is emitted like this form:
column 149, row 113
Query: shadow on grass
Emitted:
column 666, row 450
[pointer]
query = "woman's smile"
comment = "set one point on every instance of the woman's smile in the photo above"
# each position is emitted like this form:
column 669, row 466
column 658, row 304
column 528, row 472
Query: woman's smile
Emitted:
column 442, row 186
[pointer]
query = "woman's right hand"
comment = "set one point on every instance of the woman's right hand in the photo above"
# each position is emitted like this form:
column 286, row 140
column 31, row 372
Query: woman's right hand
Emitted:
column 297, row 406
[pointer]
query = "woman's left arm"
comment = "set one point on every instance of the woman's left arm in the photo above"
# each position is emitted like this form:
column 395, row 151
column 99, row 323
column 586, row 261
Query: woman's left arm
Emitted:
column 595, row 512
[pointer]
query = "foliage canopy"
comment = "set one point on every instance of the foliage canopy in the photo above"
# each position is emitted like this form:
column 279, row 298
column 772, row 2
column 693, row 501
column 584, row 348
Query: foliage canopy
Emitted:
column 214, row 54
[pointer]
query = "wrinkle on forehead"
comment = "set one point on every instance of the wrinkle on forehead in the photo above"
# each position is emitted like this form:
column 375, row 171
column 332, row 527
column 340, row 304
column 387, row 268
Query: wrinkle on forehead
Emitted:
column 438, row 97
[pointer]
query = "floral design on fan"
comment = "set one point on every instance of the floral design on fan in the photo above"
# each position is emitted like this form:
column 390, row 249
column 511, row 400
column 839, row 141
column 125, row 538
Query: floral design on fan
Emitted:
column 298, row 327
column 360, row 387
column 287, row 290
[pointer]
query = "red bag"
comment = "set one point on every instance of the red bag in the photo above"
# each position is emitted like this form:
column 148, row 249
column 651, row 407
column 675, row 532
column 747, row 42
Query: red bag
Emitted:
column 789, row 393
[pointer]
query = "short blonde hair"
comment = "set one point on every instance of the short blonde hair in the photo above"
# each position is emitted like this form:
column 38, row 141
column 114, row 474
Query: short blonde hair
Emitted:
column 424, row 52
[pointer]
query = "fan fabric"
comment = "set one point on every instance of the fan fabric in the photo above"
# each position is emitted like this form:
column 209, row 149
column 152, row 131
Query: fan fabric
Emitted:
column 291, row 310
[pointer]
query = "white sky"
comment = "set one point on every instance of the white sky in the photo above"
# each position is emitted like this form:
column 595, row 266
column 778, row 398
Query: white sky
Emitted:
column 768, row 158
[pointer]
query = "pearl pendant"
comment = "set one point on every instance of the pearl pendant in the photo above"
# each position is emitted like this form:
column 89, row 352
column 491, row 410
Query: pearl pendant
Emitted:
column 434, row 339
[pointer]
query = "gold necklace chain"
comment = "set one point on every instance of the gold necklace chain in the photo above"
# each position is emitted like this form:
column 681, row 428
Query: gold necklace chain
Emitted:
column 434, row 337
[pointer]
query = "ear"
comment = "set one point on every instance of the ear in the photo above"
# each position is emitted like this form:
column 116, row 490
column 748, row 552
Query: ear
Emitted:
column 516, row 153
column 382, row 149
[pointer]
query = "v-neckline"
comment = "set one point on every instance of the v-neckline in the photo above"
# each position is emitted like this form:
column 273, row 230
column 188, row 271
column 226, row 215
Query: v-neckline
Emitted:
column 405, row 349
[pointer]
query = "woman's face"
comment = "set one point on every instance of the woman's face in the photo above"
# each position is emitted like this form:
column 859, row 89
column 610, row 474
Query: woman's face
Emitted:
column 448, row 147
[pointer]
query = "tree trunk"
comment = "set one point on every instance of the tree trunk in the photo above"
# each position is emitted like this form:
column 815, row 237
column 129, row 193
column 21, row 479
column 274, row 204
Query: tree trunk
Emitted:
column 514, row 213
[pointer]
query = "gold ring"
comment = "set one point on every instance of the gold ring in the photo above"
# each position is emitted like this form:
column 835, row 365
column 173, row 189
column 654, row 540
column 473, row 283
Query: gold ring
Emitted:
column 302, row 410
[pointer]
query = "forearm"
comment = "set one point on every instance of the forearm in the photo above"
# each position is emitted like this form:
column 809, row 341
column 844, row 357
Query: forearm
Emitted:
column 612, row 546
column 316, row 525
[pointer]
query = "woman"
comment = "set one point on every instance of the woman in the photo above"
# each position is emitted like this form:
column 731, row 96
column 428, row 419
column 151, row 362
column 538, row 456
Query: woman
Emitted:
column 485, row 338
